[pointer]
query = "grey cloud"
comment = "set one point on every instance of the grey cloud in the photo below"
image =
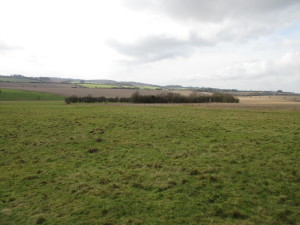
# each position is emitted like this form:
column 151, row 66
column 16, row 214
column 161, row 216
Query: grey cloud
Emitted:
column 238, row 20
column 214, row 10
column 159, row 47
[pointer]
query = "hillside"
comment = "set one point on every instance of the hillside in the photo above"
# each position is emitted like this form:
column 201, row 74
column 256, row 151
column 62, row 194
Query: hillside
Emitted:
column 111, row 84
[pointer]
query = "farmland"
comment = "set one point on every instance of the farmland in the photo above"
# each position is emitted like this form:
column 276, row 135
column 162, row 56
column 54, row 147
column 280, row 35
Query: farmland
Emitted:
column 261, row 102
column 18, row 80
column 96, row 85
column 143, row 164
column 73, row 89
column 13, row 95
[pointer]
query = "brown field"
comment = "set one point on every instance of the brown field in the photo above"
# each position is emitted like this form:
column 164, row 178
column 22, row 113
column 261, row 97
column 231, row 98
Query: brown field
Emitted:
column 73, row 89
column 291, row 102
column 271, row 99
column 70, row 89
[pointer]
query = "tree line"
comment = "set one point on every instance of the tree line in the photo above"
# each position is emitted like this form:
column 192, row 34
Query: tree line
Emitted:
column 168, row 97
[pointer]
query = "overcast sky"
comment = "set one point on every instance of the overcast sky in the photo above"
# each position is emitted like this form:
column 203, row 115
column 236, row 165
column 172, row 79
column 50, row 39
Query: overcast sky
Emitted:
column 238, row 44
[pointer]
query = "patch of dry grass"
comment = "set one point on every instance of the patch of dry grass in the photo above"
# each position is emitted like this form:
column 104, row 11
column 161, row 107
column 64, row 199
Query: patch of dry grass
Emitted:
column 261, row 103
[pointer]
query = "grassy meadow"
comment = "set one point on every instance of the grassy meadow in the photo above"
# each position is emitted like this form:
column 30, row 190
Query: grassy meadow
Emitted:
column 136, row 164
column 17, row 95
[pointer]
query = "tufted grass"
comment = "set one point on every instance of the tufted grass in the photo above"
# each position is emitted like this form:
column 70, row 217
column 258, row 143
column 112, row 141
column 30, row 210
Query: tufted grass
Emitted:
column 126, row 164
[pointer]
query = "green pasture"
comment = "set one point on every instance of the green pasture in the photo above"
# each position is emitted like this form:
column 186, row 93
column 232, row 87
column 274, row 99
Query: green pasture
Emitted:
column 148, row 87
column 126, row 164
column 16, row 95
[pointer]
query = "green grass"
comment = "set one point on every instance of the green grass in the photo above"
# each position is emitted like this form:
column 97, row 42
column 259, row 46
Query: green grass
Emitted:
column 16, row 95
column 109, row 164
column 148, row 87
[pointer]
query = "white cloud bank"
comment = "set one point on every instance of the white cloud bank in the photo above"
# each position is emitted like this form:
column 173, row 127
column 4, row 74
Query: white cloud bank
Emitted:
column 286, row 66
column 210, row 22
column 226, row 44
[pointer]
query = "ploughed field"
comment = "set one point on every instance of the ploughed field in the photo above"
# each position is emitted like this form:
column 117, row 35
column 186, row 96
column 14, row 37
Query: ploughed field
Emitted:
column 128, row 164
column 73, row 89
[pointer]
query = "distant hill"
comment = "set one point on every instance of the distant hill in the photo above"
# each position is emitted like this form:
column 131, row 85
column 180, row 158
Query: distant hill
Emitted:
column 103, row 83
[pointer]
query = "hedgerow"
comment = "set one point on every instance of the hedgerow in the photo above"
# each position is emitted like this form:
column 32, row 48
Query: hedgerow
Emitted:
column 169, row 97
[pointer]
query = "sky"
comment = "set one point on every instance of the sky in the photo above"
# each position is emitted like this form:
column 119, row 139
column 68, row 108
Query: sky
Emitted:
column 232, row 44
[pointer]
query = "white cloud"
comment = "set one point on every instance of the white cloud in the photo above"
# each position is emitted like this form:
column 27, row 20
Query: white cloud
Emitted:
column 286, row 66
column 4, row 47
column 228, row 44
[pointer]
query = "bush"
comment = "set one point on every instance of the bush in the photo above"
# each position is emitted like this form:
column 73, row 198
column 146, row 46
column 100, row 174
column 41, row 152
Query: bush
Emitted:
column 168, row 97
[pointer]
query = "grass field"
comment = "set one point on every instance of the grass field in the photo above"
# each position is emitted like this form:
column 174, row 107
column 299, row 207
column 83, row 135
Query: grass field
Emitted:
column 118, row 164
column 14, row 95
column 149, row 88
